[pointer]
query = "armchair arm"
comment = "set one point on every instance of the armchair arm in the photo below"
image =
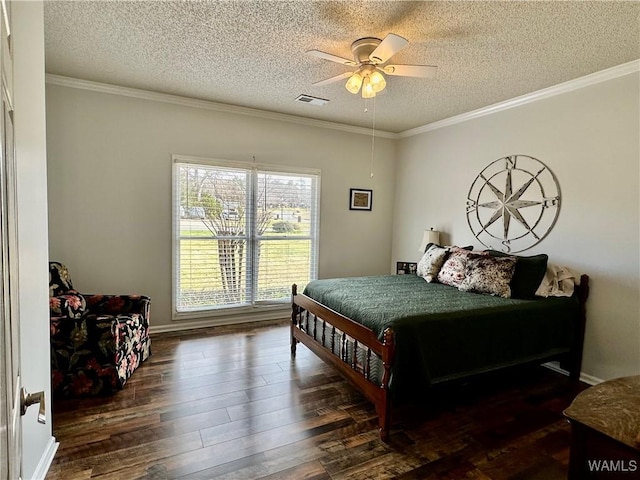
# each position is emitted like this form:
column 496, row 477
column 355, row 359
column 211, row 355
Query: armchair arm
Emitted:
column 118, row 304
column 83, row 355
column 70, row 304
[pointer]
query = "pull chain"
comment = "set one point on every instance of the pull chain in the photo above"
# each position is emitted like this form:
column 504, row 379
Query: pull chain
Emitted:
column 373, row 138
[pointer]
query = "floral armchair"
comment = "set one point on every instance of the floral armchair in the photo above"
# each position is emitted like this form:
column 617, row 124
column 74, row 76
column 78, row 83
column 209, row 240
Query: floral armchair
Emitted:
column 97, row 341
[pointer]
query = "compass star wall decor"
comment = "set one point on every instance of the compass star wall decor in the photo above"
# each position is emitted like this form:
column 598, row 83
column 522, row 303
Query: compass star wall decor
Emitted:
column 513, row 203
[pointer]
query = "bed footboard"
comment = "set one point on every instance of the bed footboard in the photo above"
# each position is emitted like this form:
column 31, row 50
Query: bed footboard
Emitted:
column 353, row 349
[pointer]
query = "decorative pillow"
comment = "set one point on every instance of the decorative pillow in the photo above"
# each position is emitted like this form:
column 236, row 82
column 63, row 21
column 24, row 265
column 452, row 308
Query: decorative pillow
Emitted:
column 71, row 305
column 453, row 270
column 528, row 274
column 431, row 262
column 489, row 275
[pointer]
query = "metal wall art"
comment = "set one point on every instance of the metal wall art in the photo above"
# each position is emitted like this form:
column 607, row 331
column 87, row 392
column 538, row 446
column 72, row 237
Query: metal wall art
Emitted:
column 513, row 203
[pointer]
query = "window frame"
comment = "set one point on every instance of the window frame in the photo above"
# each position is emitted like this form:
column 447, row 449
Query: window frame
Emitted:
column 255, row 168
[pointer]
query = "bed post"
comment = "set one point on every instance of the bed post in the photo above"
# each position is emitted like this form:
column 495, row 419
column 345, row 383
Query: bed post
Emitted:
column 576, row 354
column 294, row 318
column 384, row 404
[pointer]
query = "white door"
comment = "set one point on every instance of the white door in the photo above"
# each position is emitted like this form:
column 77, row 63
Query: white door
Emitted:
column 10, row 388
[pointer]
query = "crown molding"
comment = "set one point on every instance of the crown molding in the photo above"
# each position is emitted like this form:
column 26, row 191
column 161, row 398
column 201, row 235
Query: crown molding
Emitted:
column 71, row 82
column 571, row 85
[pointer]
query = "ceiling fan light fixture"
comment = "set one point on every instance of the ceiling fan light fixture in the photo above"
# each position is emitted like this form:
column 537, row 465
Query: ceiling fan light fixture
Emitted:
column 367, row 88
column 377, row 81
column 354, row 83
column 369, row 57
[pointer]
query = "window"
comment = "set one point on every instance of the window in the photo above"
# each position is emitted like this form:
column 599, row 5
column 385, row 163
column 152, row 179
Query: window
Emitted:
column 243, row 233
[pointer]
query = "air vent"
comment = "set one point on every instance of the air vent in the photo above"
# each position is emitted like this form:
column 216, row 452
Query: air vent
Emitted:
column 311, row 100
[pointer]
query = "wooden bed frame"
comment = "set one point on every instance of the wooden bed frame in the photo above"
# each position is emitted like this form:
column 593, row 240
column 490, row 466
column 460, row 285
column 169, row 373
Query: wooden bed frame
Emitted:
column 354, row 337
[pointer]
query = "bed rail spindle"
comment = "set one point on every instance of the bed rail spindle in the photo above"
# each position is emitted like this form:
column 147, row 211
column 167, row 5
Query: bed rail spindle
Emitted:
column 367, row 366
column 333, row 339
column 324, row 327
column 343, row 347
column 354, row 359
column 315, row 327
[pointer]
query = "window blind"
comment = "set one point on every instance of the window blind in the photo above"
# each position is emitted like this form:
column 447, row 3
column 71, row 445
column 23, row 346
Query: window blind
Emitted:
column 243, row 234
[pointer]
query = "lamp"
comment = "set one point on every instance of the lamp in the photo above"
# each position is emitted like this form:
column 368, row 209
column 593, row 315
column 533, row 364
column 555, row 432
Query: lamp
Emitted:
column 429, row 236
column 369, row 78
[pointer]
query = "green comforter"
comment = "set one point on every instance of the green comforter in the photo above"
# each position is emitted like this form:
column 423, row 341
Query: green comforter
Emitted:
column 442, row 333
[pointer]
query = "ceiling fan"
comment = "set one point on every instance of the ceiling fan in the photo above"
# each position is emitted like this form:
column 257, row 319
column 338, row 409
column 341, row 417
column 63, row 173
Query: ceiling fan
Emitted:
column 370, row 56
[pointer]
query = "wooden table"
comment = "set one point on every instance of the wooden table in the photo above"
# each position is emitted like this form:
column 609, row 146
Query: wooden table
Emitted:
column 605, row 431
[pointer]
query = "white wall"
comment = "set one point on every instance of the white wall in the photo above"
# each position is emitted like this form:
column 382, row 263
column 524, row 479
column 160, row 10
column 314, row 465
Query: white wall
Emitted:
column 29, row 103
column 110, row 192
column 110, row 186
column 590, row 139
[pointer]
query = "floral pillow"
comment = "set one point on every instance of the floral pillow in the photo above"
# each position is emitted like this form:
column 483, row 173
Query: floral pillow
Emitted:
column 71, row 305
column 431, row 262
column 490, row 275
column 453, row 270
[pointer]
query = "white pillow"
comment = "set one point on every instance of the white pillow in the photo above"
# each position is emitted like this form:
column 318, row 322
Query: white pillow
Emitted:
column 431, row 262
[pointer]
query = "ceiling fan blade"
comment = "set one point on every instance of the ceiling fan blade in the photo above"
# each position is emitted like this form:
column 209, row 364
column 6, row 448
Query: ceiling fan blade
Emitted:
column 331, row 57
column 421, row 71
column 390, row 45
column 333, row 79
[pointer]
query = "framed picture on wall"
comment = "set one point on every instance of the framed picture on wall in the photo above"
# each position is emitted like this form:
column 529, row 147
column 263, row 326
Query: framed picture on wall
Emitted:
column 360, row 199
column 406, row 268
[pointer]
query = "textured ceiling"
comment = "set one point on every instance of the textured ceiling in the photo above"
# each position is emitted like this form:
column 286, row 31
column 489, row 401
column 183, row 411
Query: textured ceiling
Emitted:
column 252, row 53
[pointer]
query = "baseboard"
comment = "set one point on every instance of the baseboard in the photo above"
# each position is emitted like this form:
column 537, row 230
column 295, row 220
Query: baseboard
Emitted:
column 45, row 461
column 590, row 379
column 584, row 377
column 178, row 325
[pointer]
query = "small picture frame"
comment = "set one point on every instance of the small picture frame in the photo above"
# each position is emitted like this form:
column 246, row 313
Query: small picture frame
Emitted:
column 360, row 199
column 406, row 268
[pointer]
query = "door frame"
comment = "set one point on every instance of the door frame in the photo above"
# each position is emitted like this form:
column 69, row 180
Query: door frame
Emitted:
column 10, row 401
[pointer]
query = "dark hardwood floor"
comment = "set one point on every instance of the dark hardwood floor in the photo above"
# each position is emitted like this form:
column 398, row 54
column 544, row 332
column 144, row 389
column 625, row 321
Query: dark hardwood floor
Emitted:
column 230, row 403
